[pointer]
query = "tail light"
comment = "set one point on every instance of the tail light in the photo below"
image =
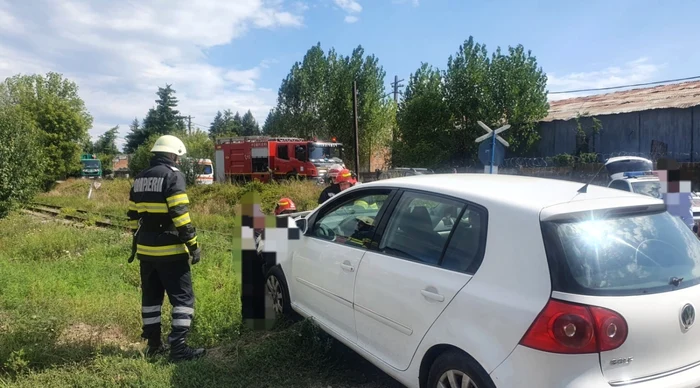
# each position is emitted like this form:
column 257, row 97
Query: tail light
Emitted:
column 564, row 327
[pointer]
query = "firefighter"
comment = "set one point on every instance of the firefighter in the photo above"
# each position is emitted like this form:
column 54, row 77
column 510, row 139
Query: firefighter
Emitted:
column 342, row 181
column 285, row 206
column 165, row 242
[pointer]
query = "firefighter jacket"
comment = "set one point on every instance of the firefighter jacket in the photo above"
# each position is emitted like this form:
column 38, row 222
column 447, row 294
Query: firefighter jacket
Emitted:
column 328, row 193
column 159, row 201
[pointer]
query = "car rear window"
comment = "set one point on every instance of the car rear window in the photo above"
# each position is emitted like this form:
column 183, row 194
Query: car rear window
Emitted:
column 630, row 255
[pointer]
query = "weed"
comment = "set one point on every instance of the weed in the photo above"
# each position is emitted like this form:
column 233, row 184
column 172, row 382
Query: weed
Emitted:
column 70, row 304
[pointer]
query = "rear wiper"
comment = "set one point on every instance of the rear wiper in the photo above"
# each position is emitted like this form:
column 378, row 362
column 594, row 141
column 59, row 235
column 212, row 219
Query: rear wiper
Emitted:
column 675, row 281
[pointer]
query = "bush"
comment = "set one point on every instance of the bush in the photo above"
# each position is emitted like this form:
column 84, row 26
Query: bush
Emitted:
column 588, row 158
column 21, row 158
column 563, row 160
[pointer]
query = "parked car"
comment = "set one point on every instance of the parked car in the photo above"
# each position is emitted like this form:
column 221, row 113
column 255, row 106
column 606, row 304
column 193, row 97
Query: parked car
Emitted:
column 405, row 171
column 642, row 182
column 454, row 282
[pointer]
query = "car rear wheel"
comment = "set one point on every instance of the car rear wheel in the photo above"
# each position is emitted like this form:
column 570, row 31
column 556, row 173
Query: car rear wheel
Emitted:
column 454, row 369
column 276, row 288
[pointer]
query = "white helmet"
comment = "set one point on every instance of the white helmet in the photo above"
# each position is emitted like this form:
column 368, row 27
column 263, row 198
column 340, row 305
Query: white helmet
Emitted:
column 169, row 144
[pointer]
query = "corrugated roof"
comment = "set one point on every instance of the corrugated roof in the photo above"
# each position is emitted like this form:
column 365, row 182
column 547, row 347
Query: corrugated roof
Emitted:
column 680, row 95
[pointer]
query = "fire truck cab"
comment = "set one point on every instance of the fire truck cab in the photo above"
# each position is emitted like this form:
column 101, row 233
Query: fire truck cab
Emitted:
column 240, row 159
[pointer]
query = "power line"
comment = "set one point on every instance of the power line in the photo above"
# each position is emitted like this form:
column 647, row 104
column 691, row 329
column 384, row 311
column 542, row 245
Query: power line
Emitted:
column 626, row 86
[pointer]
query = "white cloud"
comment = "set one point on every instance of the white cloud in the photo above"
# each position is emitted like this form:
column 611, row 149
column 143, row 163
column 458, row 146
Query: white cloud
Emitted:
column 637, row 71
column 349, row 6
column 120, row 53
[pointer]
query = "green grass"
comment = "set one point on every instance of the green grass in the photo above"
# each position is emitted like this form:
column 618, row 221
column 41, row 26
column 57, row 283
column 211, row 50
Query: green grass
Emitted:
column 212, row 207
column 70, row 307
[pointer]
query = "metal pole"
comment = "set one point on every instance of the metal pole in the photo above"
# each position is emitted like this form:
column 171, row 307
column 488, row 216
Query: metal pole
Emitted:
column 493, row 150
column 396, row 89
column 357, row 137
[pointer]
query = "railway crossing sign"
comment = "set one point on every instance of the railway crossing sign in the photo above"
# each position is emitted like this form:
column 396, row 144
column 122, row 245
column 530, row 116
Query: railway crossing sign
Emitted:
column 491, row 158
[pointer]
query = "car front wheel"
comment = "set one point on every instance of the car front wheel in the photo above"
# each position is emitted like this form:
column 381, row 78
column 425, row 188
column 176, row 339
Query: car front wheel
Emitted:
column 276, row 288
column 454, row 369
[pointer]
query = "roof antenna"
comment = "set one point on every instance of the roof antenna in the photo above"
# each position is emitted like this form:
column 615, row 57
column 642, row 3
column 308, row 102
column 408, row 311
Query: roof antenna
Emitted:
column 584, row 188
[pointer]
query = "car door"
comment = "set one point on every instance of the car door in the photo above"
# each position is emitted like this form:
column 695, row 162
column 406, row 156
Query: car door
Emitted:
column 401, row 288
column 325, row 265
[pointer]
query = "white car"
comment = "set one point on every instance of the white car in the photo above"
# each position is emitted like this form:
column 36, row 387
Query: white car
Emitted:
column 640, row 183
column 451, row 281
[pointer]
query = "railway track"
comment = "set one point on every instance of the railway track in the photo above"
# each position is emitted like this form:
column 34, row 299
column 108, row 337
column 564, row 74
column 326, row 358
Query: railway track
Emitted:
column 98, row 219
column 83, row 216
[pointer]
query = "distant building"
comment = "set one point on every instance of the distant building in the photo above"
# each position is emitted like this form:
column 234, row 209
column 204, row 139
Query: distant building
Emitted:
column 661, row 119
column 120, row 166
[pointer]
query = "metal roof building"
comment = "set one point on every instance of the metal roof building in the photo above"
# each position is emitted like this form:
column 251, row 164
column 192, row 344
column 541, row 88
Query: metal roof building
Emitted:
column 667, row 116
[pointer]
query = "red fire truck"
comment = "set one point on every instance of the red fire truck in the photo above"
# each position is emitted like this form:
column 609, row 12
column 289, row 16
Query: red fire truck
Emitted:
column 241, row 159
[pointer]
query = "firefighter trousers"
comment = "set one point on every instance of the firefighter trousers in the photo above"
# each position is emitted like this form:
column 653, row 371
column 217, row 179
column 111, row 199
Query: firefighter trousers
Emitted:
column 253, row 293
column 173, row 278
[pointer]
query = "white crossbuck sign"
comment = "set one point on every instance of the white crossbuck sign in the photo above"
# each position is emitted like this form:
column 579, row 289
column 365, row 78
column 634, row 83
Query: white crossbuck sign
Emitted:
column 490, row 132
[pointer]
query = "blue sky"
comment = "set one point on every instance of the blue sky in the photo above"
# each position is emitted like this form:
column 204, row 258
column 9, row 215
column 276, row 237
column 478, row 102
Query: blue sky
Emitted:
column 233, row 54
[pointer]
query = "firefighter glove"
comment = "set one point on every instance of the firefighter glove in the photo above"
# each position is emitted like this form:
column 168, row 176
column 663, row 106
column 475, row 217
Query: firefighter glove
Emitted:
column 195, row 255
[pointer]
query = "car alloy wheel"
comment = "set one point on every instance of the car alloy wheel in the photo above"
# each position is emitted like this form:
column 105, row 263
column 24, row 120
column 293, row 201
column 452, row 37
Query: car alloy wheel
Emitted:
column 274, row 289
column 455, row 379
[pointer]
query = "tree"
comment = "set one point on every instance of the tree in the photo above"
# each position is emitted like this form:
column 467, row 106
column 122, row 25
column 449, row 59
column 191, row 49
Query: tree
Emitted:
column 424, row 137
column 22, row 160
column 216, row 126
column 52, row 103
column 199, row 146
column 232, row 124
column 141, row 157
column 107, row 142
column 519, row 93
column 504, row 89
column 236, row 122
column 249, row 127
column 315, row 99
column 164, row 119
column 135, row 137
column 273, row 124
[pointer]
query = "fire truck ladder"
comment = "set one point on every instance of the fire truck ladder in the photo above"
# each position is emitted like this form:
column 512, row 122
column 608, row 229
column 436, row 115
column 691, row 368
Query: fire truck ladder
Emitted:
column 243, row 139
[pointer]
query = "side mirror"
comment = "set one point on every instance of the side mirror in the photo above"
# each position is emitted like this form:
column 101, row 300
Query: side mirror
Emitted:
column 303, row 225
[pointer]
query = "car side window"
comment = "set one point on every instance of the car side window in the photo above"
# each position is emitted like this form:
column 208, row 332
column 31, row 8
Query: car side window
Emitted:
column 465, row 249
column 620, row 185
column 419, row 227
column 353, row 222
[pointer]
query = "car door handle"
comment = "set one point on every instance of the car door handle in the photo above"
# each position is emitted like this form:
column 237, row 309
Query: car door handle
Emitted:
column 432, row 296
column 346, row 266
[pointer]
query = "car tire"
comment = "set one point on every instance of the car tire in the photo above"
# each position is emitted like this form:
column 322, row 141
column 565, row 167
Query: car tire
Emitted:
column 452, row 367
column 276, row 287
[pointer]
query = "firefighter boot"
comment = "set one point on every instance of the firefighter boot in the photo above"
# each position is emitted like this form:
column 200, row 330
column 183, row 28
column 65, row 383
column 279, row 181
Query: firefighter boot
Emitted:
column 155, row 347
column 181, row 352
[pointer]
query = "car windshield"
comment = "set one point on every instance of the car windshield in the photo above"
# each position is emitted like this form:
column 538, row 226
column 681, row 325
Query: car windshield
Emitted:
column 206, row 170
column 321, row 153
column 622, row 256
column 91, row 163
column 650, row 188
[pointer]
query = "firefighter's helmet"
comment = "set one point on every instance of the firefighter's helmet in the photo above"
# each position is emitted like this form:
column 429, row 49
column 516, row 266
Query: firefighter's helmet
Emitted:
column 345, row 176
column 285, row 205
column 169, row 144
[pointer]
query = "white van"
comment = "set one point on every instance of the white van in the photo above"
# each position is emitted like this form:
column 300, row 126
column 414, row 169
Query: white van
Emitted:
column 207, row 175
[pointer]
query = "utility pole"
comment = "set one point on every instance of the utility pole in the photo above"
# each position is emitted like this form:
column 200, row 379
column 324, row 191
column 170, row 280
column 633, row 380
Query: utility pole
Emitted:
column 189, row 124
column 396, row 86
column 357, row 137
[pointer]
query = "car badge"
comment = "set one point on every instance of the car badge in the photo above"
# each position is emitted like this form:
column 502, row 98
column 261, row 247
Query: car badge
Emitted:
column 687, row 316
